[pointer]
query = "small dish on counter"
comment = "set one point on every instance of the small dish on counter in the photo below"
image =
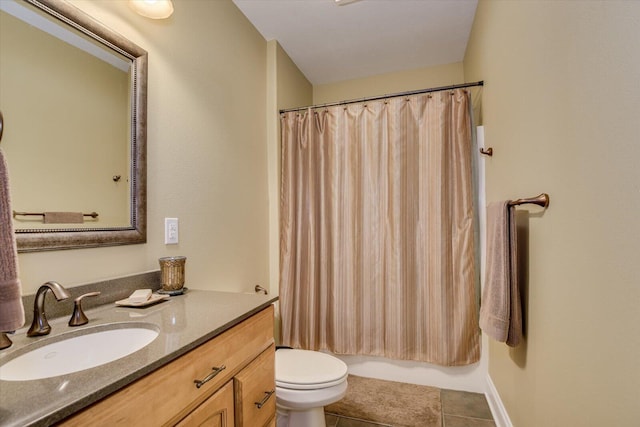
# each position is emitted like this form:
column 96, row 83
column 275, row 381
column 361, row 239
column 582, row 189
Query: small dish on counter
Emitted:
column 154, row 299
column 173, row 292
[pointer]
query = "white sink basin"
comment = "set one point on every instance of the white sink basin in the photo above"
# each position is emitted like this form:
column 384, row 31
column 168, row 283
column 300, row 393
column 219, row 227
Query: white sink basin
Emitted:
column 87, row 349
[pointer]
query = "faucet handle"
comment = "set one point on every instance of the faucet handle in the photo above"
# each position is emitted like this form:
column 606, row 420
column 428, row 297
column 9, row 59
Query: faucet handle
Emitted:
column 78, row 317
column 5, row 342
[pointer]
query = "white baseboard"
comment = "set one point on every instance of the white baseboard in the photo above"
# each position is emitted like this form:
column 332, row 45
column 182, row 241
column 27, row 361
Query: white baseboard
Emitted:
column 499, row 412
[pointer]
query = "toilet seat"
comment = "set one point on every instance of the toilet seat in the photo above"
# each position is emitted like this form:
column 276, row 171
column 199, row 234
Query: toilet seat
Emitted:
column 308, row 370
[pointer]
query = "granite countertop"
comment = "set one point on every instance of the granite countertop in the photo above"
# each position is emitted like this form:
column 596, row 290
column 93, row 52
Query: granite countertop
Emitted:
column 184, row 322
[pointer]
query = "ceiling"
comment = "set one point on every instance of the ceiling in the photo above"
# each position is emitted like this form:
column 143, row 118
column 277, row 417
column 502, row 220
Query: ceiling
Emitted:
column 331, row 42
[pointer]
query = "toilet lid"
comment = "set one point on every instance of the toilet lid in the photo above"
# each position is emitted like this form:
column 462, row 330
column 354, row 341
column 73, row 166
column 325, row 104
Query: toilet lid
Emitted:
column 304, row 369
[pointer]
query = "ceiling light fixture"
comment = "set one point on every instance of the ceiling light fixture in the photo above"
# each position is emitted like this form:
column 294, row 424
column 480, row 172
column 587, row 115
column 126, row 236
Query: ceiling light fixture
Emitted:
column 154, row 9
column 344, row 2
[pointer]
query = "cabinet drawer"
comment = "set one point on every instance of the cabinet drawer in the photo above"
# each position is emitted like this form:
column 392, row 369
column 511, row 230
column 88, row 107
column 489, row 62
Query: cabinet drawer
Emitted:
column 255, row 391
column 167, row 395
column 216, row 411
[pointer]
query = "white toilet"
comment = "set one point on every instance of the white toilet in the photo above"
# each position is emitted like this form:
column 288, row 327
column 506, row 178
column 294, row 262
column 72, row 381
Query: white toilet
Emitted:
column 307, row 381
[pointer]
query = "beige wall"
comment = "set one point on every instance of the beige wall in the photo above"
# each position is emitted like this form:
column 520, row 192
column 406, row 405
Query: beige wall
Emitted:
column 560, row 109
column 207, row 152
column 389, row 83
column 294, row 90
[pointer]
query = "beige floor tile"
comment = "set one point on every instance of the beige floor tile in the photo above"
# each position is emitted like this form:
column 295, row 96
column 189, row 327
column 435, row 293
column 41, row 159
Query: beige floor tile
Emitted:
column 466, row 404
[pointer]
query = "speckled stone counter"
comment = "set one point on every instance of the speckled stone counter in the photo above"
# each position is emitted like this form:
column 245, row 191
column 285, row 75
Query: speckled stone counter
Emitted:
column 184, row 322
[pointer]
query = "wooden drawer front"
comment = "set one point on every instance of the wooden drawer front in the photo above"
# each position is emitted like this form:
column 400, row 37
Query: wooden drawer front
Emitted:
column 216, row 411
column 167, row 395
column 254, row 384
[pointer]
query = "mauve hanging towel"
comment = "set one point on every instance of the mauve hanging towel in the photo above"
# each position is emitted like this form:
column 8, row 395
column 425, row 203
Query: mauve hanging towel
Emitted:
column 11, row 309
column 63, row 218
column 501, row 311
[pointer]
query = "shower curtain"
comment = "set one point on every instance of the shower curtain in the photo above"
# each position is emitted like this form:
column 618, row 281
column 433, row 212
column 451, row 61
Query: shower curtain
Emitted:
column 377, row 229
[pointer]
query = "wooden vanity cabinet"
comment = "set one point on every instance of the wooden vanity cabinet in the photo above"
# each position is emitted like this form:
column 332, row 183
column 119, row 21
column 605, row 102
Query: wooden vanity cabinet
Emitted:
column 243, row 358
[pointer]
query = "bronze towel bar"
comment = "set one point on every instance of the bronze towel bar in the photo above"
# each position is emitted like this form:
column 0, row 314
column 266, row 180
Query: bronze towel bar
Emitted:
column 541, row 200
column 92, row 214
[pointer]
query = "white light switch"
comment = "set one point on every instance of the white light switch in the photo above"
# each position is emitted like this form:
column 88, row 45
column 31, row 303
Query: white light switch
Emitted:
column 171, row 231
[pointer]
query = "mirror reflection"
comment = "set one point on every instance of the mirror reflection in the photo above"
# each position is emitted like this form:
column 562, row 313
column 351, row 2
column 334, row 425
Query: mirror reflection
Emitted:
column 74, row 110
column 68, row 110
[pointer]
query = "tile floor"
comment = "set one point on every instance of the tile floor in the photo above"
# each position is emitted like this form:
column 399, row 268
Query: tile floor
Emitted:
column 459, row 409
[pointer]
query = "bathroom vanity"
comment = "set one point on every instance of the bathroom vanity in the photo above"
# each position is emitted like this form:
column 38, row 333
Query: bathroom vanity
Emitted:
column 212, row 362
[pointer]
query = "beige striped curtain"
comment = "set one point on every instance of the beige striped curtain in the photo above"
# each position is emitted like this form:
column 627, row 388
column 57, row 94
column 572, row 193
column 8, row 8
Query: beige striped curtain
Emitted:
column 377, row 230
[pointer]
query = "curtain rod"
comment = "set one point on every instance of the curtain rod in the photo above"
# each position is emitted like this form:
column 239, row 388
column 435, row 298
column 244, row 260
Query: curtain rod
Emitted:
column 375, row 98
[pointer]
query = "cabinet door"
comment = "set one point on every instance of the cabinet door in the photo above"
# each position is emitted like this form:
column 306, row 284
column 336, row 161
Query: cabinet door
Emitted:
column 216, row 411
column 255, row 391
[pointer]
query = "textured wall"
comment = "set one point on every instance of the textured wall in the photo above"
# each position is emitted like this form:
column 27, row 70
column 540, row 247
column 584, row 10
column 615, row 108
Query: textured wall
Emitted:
column 560, row 109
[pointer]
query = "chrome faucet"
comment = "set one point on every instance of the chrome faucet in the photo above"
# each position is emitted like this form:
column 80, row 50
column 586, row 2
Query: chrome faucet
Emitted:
column 40, row 326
